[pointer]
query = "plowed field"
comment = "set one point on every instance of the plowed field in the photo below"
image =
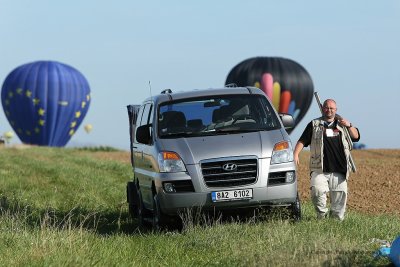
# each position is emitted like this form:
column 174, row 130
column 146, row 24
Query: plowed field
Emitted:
column 373, row 189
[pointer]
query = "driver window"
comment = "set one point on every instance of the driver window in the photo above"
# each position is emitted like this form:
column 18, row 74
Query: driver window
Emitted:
column 145, row 116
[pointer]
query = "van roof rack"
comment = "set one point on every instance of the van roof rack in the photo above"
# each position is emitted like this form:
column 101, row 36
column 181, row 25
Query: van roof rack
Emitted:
column 166, row 91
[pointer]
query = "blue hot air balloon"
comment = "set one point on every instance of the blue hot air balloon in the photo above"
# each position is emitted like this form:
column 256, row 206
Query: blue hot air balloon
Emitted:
column 45, row 102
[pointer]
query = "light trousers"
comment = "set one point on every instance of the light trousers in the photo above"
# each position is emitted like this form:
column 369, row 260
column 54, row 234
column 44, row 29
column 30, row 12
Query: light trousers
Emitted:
column 334, row 183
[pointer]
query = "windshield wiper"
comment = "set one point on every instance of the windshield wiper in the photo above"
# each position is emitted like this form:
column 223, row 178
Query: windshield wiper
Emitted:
column 225, row 130
column 232, row 130
column 253, row 130
column 180, row 134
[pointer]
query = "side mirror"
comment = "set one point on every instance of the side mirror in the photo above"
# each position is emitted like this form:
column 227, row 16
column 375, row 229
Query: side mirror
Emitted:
column 143, row 134
column 287, row 120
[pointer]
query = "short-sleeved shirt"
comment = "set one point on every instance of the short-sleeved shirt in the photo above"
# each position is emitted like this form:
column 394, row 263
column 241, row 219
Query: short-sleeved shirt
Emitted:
column 334, row 156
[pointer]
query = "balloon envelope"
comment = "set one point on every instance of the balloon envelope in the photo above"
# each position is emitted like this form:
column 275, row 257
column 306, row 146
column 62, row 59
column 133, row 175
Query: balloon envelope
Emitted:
column 88, row 128
column 45, row 102
column 286, row 83
column 8, row 135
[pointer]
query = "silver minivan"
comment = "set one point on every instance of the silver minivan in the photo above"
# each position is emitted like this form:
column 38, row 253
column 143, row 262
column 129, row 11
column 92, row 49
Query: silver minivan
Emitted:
column 213, row 149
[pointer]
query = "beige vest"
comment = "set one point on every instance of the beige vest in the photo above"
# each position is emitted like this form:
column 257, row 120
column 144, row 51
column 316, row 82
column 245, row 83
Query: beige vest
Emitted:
column 317, row 147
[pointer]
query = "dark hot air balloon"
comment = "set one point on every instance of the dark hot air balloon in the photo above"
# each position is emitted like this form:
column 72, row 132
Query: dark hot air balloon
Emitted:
column 45, row 102
column 287, row 84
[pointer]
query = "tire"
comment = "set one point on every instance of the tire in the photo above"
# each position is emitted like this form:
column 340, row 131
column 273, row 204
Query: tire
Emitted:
column 131, row 193
column 160, row 221
column 295, row 209
column 142, row 212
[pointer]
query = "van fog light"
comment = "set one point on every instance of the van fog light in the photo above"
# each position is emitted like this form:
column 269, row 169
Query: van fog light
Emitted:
column 290, row 176
column 169, row 188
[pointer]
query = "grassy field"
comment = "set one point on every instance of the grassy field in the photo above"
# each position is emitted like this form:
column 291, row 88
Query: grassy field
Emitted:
column 66, row 207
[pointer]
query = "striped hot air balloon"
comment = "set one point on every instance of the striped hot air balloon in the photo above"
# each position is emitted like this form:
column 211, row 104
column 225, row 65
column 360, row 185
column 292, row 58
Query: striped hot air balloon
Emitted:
column 287, row 84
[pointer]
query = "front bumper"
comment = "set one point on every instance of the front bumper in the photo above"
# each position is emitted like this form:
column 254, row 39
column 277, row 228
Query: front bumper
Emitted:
column 171, row 203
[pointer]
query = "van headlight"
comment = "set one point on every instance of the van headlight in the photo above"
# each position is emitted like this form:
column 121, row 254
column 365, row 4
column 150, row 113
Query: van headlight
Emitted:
column 170, row 162
column 282, row 153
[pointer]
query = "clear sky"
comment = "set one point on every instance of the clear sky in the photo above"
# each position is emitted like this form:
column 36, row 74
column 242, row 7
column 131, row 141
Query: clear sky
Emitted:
column 350, row 48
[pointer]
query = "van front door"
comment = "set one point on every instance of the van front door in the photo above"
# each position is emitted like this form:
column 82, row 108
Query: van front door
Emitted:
column 133, row 111
column 141, row 154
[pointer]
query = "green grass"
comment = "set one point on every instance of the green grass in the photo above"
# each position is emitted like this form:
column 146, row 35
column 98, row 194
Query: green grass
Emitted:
column 66, row 207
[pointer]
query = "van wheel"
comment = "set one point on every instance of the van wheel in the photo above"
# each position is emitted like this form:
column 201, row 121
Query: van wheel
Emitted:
column 133, row 210
column 142, row 212
column 132, row 198
column 295, row 209
column 160, row 220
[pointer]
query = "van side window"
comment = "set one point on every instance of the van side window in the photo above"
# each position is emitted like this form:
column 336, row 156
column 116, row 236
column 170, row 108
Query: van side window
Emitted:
column 146, row 114
column 150, row 120
column 148, row 117
column 139, row 116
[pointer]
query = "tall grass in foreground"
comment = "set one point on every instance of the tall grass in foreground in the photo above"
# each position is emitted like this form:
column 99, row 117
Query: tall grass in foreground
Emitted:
column 64, row 207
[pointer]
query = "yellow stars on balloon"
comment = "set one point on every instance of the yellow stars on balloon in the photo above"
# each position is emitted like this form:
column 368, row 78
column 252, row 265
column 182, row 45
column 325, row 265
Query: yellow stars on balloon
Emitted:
column 88, row 98
column 28, row 133
column 19, row 91
column 10, row 94
column 72, row 130
column 37, row 130
column 83, row 104
column 7, row 102
column 77, row 114
column 28, row 93
column 36, row 101
column 41, row 112
column 41, row 122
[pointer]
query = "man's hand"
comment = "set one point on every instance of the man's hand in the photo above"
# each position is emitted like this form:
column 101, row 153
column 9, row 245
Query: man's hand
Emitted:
column 299, row 146
column 296, row 159
column 345, row 123
column 352, row 131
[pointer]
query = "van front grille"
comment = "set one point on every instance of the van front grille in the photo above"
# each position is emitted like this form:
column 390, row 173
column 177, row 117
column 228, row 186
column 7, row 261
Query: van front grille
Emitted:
column 237, row 172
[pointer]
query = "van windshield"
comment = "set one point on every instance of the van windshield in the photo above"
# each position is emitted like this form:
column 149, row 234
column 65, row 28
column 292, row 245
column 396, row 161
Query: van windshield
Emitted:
column 216, row 115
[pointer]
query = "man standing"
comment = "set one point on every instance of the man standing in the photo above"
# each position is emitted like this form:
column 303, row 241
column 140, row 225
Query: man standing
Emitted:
column 329, row 159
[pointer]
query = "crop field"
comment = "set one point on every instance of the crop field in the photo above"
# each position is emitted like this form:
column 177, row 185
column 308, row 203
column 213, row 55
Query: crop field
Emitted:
column 67, row 207
column 374, row 188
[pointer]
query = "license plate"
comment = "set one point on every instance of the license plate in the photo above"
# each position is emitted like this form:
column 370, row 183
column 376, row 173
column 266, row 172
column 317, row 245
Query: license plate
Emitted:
column 231, row 195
